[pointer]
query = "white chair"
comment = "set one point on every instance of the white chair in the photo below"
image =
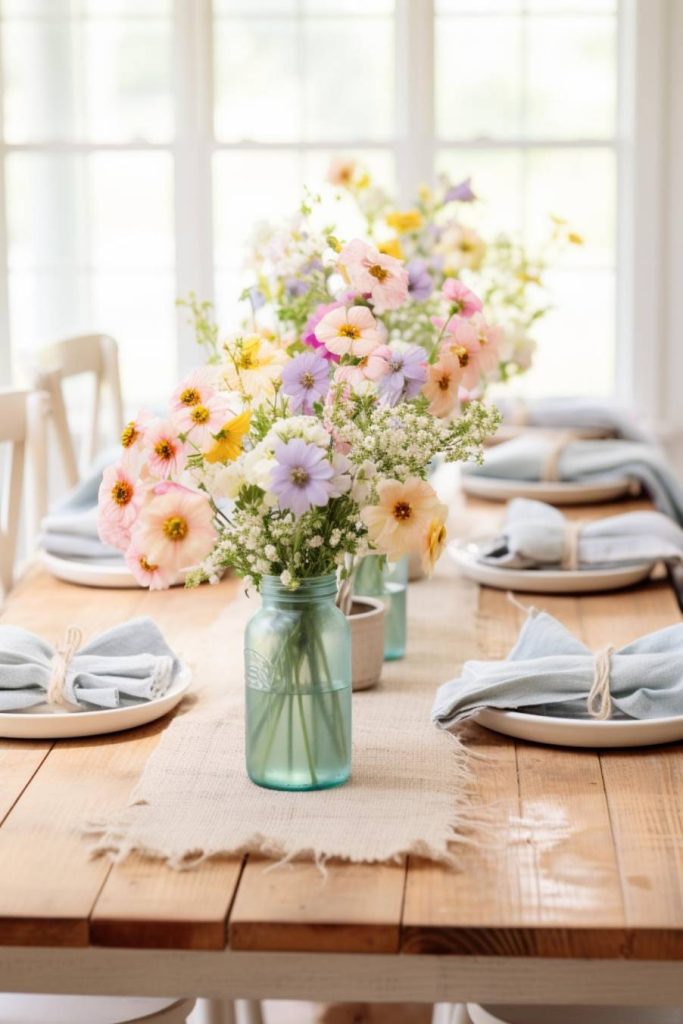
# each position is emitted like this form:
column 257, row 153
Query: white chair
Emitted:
column 22, row 418
column 20, row 1009
column 97, row 356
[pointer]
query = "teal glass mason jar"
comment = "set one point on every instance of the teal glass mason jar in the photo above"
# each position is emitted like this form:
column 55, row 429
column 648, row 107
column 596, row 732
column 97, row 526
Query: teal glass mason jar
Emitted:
column 297, row 654
column 375, row 577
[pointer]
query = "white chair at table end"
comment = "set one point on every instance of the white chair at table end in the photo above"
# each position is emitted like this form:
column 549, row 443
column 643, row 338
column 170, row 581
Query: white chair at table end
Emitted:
column 22, row 419
column 92, row 354
column 23, row 1009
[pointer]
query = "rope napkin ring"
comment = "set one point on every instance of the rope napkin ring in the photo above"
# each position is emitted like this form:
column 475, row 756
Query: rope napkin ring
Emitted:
column 550, row 471
column 599, row 702
column 61, row 659
column 570, row 552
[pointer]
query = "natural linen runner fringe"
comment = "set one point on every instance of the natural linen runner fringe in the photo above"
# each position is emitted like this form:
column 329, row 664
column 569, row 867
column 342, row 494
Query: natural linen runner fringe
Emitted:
column 407, row 794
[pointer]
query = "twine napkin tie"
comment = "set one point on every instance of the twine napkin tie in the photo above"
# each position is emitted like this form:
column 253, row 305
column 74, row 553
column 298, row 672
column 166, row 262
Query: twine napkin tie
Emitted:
column 59, row 665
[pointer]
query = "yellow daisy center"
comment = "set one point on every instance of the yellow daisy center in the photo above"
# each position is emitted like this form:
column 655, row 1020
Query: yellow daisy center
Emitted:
column 199, row 414
column 378, row 272
column 129, row 434
column 402, row 511
column 349, row 331
column 190, row 396
column 164, row 449
column 175, row 528
column 122, row 492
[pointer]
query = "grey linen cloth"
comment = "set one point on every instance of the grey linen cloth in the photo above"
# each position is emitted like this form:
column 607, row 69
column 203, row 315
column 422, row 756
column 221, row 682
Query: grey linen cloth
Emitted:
column 127, row 664
column 526, row 458
column 573, row 412
column 538, row 536
column 70, row 528
column 550, row 672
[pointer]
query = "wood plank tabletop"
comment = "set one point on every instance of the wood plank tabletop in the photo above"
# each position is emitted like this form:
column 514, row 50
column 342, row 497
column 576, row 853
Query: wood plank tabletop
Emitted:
column 587, row 860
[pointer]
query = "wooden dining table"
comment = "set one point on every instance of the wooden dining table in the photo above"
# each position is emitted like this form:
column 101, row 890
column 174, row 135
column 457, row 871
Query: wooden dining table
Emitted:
column 579, row 900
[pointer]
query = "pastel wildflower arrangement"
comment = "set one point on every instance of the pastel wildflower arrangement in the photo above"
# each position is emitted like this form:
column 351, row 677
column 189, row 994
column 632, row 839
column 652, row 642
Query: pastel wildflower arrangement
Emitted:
column 305, row 444
column 440, row 246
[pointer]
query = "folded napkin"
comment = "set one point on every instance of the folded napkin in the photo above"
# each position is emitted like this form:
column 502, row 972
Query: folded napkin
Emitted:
column 582, row 414
column 126, row 665
column 70, row 528
column 538, row 536
column 550, row 672
column 541, row 457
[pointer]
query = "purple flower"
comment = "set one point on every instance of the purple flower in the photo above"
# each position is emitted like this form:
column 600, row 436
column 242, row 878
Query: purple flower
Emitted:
column 301, row 477
column 256, row 298
column 406, row 374
column 420, row 284
column 306, row 380
column 295, row 287
column 461, row 193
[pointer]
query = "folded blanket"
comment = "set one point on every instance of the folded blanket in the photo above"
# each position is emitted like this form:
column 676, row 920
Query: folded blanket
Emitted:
column 538, row 536
column 70, row 528
column 126, row 665
column 598, row 416
column 540, row 457
column 550, row 672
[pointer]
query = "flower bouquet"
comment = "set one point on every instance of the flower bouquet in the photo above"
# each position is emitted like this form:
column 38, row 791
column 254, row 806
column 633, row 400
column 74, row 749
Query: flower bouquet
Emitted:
column 289, row 456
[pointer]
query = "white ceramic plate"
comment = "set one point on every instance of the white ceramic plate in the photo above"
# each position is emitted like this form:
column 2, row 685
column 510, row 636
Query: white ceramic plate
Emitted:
column 571, row 732
column 46, row 723
column 561, row 493
column 544, row 581
column 109, row 573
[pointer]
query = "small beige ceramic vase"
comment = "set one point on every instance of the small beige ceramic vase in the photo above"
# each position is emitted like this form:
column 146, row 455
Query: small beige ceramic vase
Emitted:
column 415, row 570
column 366, row 622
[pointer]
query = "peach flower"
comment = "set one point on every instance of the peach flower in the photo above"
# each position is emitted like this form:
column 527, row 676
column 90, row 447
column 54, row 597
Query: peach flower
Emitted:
column 397, row 523
column 351, row 331
column 442, row 385
column 175, row 528
column 119, row 501
column 376, row 274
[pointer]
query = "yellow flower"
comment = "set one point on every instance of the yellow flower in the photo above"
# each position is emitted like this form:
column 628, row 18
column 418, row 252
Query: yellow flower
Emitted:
column 228, row 444
column 253, row 365
column 575, row 238
column 363, row 180
column 403, row 221
column 433, row 543
column 397, row 523
column 424, row 192
column 392, row 247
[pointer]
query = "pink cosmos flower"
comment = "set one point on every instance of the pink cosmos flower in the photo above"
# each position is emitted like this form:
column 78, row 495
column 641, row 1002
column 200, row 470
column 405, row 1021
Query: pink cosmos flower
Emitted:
column 175, row 529
column 349, row 331
column 371, row 272
column 469, row 341
column 461, row 298
column 196, row 389
column 203, row 419
column 165, row 452
column 147, row 573
column 119, row 500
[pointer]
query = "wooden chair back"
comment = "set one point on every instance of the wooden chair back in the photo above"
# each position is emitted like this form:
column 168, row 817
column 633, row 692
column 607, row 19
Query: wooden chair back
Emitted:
column 93, row 354
column 22, row 417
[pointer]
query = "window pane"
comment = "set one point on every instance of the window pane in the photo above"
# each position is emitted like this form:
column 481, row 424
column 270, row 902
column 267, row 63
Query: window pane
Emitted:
column 576, row 350
column 91, row 249
column 571, row 77
column 91, row 79
column 352, row 97
column 314, row 97
column 251, row 56
column 478, row 77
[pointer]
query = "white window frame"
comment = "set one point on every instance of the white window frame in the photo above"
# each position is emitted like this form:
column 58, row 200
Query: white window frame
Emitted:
column 650, row 161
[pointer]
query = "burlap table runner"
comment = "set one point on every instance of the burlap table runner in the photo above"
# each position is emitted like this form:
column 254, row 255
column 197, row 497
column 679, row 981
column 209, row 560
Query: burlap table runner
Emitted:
column 407, row 794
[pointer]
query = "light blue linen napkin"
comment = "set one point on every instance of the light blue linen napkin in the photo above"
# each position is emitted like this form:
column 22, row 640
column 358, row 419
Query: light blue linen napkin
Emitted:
column 70, row 528
column 526, row 458
column 538, row 536
column 573, row 412
column 550, row 672
column 127, row 664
